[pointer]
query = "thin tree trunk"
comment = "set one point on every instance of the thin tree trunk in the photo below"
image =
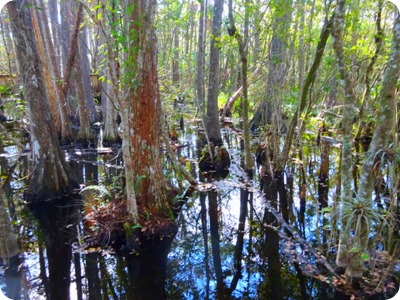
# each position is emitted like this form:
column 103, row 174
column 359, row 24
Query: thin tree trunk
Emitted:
column 301, row 46
column 175, row 61
column 65, row 30
column 110, row 133
column 311, row 75
column 242, row 41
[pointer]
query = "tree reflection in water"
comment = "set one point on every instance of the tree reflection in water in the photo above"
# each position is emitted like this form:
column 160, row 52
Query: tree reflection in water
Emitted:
column 229, row 246
column 58, row 223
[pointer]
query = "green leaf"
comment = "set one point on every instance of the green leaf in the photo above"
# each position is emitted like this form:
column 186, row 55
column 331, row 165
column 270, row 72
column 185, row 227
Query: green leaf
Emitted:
column 130, row 9
column 365, row 257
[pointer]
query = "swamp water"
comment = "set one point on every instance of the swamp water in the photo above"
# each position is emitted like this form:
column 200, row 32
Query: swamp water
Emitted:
column 231, row 242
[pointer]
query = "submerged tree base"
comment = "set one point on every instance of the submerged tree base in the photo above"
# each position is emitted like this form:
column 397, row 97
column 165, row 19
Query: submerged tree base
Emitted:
column 216, row 159
column 145, row 246
column 111, row 227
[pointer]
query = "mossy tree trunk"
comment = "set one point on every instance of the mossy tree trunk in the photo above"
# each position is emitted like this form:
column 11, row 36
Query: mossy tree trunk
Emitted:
column 384, row 134
column 357, row 211
column 385, row 127
column 347, row 143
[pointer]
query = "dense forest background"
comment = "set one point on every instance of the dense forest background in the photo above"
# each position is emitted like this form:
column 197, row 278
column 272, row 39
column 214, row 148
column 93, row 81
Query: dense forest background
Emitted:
column 309, row 90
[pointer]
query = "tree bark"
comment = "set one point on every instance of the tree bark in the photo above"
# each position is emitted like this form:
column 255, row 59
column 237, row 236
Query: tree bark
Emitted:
column 51, row 176
column 176, row 59
column 63, row 106
column 47, row 72
column 200, row 61
column 212, row 120
column 85, row 74
column 385, row 130
column 242, row 41
column 71, row 55
column 141, row 114
column 110, row 133
column 85, row 135
column 56, row 31
column 342, row 260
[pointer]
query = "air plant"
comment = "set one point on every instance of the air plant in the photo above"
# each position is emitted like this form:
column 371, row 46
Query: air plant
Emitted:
column 357, row 217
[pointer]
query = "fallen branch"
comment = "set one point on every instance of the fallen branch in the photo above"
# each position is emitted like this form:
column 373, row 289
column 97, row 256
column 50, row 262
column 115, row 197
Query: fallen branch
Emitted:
column 228, row 105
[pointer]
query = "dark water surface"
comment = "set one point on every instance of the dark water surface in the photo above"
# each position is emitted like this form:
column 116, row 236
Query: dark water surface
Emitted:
column 229, row 244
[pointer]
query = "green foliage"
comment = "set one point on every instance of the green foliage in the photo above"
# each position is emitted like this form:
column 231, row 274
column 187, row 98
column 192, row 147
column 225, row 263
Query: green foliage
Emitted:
column 357, row 217
column 5, row 90
column 222, row 98
column 15, row 106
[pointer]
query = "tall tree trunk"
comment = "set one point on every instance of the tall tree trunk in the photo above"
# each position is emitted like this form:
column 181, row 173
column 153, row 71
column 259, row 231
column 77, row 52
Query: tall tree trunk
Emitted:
column 385, row 130
column 85, row 74
column 63, row 106
column 85, row 135
column 56, row 31
column 201, row 60
column 212, row 120
column 71, row 57
column 110, row 133
column 47, row 72
column 242, row 41
column 347, row 143
column 51, row 176
column 68, row 32
column 176, row 59
column 141, row 114
column 269, row 113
